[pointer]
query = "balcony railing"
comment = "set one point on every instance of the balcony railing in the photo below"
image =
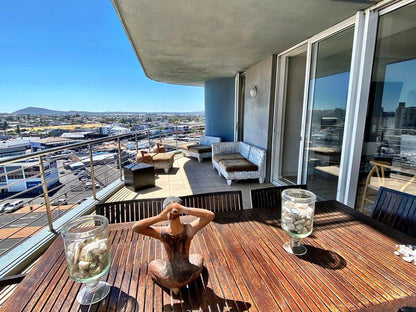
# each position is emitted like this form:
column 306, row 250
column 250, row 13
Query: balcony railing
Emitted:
column 41, row 191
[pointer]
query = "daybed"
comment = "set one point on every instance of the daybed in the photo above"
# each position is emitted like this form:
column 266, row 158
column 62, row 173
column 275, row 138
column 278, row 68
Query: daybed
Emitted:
column 239, row 161
column 201, row 150
column 158, row 160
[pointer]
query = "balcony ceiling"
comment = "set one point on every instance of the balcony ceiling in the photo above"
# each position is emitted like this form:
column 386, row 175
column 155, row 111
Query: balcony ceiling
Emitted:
column 191, row 41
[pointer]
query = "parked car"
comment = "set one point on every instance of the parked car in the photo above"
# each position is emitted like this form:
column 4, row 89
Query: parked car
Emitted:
column 3, row 206
column 60, row 201
column 14, row 206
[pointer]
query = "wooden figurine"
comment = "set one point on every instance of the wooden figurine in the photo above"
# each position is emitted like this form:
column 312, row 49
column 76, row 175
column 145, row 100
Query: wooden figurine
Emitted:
column 181, row 268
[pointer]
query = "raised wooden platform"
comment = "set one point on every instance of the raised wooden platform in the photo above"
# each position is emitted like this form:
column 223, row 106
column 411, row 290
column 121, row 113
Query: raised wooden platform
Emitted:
column 349, row 266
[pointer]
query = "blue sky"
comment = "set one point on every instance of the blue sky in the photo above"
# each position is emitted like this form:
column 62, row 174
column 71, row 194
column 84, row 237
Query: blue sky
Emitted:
column 331, row 91
column 74, row 55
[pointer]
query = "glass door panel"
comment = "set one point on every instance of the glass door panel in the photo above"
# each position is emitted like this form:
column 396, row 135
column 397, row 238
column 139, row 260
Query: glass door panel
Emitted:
column 390, row 132
column 328, row 90
column 295, row 82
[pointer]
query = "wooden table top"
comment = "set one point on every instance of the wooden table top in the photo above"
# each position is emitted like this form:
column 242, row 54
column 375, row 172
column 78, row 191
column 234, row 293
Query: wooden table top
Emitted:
column 350, row 265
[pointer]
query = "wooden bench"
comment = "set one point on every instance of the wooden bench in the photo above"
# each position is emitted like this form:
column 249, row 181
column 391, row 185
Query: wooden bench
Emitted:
column 396, row 209
column 270, row 197
column 134, row 210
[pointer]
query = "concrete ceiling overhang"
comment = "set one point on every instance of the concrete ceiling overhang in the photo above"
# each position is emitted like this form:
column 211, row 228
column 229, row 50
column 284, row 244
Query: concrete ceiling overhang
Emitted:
column 191, row 41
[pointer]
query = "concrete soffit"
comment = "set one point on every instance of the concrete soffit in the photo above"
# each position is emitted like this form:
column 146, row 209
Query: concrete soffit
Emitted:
column 191, row 41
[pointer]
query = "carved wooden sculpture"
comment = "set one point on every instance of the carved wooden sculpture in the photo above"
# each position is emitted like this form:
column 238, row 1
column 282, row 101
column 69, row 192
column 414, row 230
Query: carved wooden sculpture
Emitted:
column 181, row 268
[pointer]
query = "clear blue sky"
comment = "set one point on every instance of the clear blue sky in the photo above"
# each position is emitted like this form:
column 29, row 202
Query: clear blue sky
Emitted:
column 74, row 55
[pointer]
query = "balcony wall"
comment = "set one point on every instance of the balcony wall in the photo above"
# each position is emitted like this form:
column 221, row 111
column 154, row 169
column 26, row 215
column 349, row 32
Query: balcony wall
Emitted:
column 258, row 110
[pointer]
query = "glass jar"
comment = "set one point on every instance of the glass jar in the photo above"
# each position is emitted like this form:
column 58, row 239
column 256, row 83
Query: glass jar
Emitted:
column 298, row 209
column 88, row 255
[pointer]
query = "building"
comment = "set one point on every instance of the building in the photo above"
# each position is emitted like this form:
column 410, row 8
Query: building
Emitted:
column 26, row 176
column 271, row 70
column 46, row 143
column 14, row 147
column 114, row 129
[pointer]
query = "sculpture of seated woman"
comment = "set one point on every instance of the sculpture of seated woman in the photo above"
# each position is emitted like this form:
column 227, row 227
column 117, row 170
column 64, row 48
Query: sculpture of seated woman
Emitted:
column 181, row 268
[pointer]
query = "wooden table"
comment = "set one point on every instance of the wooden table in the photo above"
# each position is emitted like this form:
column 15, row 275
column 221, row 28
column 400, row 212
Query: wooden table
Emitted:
column 350, row 265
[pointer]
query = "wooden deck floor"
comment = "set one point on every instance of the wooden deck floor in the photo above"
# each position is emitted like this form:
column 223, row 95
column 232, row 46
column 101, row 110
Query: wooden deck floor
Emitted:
column 349, row 266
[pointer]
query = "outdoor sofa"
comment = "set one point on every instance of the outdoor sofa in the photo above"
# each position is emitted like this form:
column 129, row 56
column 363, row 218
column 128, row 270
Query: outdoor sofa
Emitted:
column 200, row 150
column 239, row 161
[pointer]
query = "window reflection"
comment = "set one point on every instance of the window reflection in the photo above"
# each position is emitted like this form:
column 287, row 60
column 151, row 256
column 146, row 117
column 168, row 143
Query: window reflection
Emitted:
column 326, row 112
column 390, row 134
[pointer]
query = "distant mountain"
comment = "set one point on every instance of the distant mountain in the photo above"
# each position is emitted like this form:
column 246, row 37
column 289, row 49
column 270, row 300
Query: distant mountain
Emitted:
column 44, row 111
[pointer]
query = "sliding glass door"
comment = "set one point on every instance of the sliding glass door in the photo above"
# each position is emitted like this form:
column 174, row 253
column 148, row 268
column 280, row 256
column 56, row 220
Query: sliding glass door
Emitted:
column 390, row 131
column 292, row 120
column 324, row 126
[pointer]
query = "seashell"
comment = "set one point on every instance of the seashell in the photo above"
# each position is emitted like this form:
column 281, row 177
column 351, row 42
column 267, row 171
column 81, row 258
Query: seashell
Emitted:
column 84, row 265
column 102, row 258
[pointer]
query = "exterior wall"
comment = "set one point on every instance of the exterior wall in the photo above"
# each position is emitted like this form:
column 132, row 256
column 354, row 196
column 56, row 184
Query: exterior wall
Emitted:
column 258, row 110
column 219, row 108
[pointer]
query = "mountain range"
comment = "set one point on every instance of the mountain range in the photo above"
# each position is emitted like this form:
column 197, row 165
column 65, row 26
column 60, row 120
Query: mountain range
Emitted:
column 44, row 111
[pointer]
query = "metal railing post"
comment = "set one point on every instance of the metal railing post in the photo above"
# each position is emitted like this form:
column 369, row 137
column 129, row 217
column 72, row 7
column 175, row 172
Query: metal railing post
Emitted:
column 148, row 137
column 160, row 135
column 119, row 159
column 94, row 193
column 45, row 194
column 176, row 137
column 137, row 144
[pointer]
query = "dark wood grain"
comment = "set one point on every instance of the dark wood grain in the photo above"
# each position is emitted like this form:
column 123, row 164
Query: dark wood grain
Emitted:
column 396, row 209
column 349, row 266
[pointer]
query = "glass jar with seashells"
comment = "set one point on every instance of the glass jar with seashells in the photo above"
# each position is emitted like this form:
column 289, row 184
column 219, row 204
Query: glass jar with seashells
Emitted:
column 88, row 256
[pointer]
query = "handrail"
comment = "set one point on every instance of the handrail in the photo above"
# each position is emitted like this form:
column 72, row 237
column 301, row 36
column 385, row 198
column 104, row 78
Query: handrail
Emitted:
column 75, row 145
column 45, row 211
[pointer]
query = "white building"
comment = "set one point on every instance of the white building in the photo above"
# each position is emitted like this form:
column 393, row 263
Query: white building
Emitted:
column 24, row 176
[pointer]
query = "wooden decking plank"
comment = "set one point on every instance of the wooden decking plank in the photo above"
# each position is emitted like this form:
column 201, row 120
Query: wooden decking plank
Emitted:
column 236, row 277
column 383, row 256
column 262, row 269
column 149, row 285
column 115, row 291
column 213, row 236
column 213, row 289
column 356, row 263
column 216, row 249
column 320, row 278
column 232, row 297
column 58, row 282
column 320, row 290
column 383, row 283
column 124, row 295
column 227, row 296
column 345, row 272
column 378, row 281
column 201, row 284
column 248, row 269
column 270, row 273
column 289, row 286
column 259, row 289
column 42, row 295
column 23, row 295
column 157, row 298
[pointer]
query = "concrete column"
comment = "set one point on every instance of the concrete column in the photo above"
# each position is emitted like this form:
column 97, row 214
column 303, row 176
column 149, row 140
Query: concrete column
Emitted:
column 219, row 108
